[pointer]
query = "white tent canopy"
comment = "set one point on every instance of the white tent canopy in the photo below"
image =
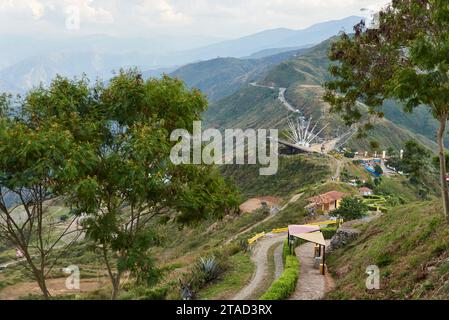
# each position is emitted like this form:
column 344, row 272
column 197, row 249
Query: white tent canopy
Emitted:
column 315, row 237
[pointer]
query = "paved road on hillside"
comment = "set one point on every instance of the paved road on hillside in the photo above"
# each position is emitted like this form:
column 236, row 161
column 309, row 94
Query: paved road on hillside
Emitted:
column 281, row 96
column 285, row 102
column 311, row 284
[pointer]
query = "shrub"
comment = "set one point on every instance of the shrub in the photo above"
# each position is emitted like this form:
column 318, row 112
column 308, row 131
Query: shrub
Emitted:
column 146, row 293
column 349, row 154
column 244, row 245
column 283, row 287
column 204, row 271
column 233, row 248
column 384, row 259
column 351, row 208
column 329, row 232
column 378, row 169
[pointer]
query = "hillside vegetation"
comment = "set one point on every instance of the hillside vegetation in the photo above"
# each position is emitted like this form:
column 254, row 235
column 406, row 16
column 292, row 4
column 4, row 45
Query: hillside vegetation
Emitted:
column 294, row 173
column 303, row 76
column 181, row 246
column 221, row 77
column 410, row 245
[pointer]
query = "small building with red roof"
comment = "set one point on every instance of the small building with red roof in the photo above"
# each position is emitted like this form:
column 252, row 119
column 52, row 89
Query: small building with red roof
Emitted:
column 325, row 202
column 365, row 191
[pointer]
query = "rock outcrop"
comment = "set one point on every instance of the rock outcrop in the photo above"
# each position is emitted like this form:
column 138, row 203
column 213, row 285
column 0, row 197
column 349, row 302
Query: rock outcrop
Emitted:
column 342, row 237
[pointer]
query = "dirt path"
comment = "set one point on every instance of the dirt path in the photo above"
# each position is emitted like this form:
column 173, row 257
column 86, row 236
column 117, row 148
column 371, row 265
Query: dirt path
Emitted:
column 260, row 258
column 56, row 287
column 254, row 204
column 293, row 199
column 311, row 284
column 247, row 230
column 273, row 213
column 339, row 164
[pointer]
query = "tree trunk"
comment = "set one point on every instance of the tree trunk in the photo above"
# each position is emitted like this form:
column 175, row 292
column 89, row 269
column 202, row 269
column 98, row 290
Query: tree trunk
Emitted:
column 116, row 286
column 115, row 278
column 442, row 155
column 39, row 275
column 43, row 286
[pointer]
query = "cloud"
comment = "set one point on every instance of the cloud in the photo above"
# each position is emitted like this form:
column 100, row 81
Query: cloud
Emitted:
column 229, row 18
column 90, row 12
column 26, row 7
column 37, row 8
column 165, row 11
column 51, row 9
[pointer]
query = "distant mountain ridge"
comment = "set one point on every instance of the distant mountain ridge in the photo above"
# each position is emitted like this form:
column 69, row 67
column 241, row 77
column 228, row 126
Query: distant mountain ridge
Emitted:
column 275, row 38
column 302, row 76
column 221, row 77
column 25, row 62
column 43, row 68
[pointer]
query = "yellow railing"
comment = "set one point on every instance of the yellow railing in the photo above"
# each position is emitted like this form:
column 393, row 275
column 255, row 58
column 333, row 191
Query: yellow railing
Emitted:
column 256, row 237
column 280, row 230
column 328, row 222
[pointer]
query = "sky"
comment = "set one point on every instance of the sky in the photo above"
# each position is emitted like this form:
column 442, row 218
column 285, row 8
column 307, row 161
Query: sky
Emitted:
column 135, row 18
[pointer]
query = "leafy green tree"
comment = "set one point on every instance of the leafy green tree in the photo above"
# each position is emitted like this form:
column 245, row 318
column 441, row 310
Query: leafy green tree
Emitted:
column 133, row 181
column 378, row 169
column 374, row 145
column 105, row 150
column 351, row 208
column 404, row 59
column 436, row 162
column 39, row 160
column 415, row 161
column 394, row 159
column 349, row 154
column 377, row 181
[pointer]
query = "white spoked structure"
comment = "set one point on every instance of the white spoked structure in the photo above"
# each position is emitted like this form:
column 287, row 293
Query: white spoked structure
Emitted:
column 301, row 132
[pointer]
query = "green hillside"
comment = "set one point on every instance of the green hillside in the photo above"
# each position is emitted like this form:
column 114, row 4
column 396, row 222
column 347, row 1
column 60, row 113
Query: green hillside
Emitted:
column 251, row 107
column 308, row 68
column 295, row 172
column 255, row 107
column 221, row 77
column 302, row 76
column 410, row 245
column 420, row 121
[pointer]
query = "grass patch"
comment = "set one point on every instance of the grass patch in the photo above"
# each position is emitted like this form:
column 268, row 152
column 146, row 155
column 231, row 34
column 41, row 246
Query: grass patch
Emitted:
column 232, row 281
column 403, row 244
column 294, row 173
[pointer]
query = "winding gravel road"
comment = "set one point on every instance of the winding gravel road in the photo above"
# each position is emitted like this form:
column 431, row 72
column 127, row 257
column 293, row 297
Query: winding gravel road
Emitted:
column 260, row 258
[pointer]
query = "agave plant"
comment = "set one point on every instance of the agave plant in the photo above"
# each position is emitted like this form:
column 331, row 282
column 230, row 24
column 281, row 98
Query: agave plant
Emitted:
column 209, row 269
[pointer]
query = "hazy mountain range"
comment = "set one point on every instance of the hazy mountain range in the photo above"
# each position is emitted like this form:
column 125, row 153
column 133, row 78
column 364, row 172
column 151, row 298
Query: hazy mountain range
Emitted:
column 302, row 75
column 223, row 70
column 28, row 61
